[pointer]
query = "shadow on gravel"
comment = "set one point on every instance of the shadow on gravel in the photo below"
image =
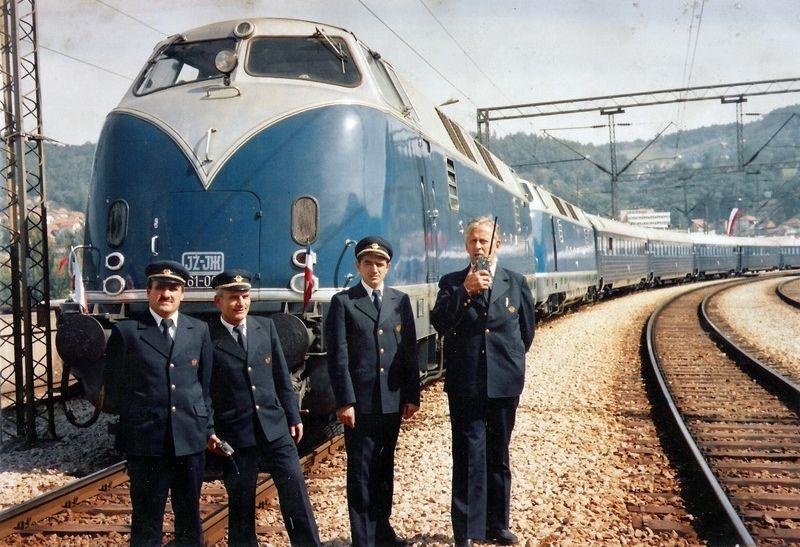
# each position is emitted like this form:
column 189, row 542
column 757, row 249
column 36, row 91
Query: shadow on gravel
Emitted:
column 696, row 496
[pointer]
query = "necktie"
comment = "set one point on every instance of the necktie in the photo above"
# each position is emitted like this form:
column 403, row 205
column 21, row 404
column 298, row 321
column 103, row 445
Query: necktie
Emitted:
column 376, row 298
column 240, row 336
column 166, row 324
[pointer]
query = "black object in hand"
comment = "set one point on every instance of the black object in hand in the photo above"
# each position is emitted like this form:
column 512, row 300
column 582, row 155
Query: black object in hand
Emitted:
column 225, row 448
column 482, row 264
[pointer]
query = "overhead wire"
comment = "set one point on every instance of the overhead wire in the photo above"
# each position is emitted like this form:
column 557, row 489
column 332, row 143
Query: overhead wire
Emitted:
column 129, row 16
column 82, row 61
column 475, row 64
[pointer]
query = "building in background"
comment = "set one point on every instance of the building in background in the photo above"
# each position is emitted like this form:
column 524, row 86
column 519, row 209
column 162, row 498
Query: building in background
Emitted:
column 649, row 218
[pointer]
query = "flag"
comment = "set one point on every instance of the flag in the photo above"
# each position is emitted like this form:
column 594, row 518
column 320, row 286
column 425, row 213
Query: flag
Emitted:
column 78, row 293
column 62, row 263
column 732, row 220
column 308, row 276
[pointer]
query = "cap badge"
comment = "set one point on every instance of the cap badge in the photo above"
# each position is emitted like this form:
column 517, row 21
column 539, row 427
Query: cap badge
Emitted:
column 167, row 272
column 374, row 246
column 238, row 278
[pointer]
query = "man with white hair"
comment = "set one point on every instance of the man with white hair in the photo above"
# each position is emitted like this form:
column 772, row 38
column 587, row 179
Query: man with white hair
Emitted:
column 486, row 315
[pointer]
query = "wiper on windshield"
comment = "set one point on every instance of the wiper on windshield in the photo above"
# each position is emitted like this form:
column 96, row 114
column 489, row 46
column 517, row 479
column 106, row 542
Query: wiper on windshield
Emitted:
column 326, row 41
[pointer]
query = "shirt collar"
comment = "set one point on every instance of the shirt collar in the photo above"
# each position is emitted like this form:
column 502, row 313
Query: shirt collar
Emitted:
column 370, row 289
column 231, row 327
column 158, row 318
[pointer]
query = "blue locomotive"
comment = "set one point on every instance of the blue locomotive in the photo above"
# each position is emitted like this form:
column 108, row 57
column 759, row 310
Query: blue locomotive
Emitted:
column 243, row 142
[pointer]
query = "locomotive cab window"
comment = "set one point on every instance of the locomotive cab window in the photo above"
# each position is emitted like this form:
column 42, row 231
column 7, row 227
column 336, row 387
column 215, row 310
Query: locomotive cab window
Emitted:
column 317, row 58
column 182, row 63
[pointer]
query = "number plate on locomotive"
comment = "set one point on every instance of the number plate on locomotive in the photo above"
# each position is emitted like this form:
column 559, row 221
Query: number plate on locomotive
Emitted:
column 202, row 266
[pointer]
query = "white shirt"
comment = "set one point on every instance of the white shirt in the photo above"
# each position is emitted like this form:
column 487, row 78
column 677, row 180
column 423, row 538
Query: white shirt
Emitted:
column 370, row 289
column 231, row 327
column 173, row 329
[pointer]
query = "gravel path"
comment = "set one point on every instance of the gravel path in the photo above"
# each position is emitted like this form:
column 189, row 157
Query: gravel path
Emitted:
column 27, row 473
column 757, row 314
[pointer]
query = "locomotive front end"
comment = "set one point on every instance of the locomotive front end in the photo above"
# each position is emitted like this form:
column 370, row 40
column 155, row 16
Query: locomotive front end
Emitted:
column 240, row 145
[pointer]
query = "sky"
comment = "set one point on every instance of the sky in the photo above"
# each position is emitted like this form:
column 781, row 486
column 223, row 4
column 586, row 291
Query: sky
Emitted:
column 485, row 53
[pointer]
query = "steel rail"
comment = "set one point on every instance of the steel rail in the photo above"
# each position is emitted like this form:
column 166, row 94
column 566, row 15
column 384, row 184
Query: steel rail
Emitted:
column 713, row 485
column 780, row 290
column 19, row 517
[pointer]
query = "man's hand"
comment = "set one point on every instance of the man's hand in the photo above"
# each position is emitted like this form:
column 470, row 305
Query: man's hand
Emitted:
column 409, row 409
column 212, row 443
column 477, row 281
column 296, row 431
column 347, row 416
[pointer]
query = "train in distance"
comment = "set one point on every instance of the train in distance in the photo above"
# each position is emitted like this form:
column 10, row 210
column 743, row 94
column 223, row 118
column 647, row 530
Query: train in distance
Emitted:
column 242, row 143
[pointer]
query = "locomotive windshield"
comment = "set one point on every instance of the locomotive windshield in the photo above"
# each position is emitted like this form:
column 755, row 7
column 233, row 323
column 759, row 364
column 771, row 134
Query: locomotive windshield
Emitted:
column 317, row 58
column 182, row 63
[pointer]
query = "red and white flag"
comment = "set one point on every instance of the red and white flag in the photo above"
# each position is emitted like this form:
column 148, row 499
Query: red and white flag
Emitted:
column 732, row 220
column 308, row 276
column 78, row 292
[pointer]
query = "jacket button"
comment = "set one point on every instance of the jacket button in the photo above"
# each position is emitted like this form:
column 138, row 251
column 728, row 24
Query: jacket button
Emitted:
column 253, row 388
column 249, row 369
column 172, row 387
column 258, row 407
column 482, row 352
column 486, row 315
column 172, row 365
column 381, row 350
column 380, row 331
column 487, row 331
column 174, row 409
column 381, row 369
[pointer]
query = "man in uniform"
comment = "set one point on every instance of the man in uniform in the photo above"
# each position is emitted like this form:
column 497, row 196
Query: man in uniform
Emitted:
column 257, row 413
column 486, row 315
column 157, row 378
column 372, row 361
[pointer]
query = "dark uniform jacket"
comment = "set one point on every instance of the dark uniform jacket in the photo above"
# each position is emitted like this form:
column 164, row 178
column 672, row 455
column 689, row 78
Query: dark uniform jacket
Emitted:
column 162, row 395
column 254, row 389
column 484, row 348
column 368, row 352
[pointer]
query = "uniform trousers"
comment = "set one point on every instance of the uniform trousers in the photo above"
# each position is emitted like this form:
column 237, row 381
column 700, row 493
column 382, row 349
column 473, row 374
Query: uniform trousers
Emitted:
column 370, row 449
column 281, row 461
column 151, row 479
column 481, row 429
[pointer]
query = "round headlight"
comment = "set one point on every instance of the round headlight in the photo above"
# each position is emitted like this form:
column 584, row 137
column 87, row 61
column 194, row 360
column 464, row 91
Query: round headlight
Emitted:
column 113, row 285
column 114, row 261
column 243, row 29
column 298, row 283
column 226, row 61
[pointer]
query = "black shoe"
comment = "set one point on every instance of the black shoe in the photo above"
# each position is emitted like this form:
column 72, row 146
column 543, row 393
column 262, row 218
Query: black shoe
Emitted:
column 388, row 538
column 502, row 537
column 462, row 542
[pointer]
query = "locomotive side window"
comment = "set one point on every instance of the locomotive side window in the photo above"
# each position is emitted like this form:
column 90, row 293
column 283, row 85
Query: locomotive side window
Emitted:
column 182, row 63
column 318, row 58
column 117, row 227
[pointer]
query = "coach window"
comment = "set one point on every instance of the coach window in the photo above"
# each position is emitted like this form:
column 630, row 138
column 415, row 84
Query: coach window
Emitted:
column 318, row 58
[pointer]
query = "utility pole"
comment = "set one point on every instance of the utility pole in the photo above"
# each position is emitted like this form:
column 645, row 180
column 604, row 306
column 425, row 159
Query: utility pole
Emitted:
column 612, row 150
column 24, row 261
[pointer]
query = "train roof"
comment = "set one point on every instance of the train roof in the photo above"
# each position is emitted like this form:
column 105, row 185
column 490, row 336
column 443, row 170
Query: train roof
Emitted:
column 607, row 225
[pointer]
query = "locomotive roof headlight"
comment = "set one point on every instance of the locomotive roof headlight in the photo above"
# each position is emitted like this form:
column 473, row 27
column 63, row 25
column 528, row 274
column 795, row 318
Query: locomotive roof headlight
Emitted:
column 114, row 261
column 113, row 285
column 225, row 61
column 243, row 29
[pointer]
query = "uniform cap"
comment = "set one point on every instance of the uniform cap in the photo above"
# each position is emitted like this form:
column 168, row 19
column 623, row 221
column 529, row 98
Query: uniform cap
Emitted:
column 232, row 280
column 376, row 245
column 167, row 270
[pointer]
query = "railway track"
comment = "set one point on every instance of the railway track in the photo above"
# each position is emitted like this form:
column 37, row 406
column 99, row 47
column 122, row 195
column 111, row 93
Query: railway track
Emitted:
column 789, row 292
column 737, row 416
column 98, row 505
